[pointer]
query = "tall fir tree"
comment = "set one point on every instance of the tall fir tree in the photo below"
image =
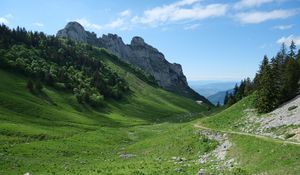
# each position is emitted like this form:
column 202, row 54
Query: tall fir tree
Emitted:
column 292, row 53
column 291, row 77
column 276, row 73
column 265, row 95
column 226, row 98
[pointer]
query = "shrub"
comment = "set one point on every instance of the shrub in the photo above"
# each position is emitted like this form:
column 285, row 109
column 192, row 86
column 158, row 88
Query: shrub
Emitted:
column 289, row 135
column 292, row 107
column 96, row 100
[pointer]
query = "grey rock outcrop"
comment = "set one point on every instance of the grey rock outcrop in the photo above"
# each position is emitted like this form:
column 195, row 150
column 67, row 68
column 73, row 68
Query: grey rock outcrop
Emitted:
column 169, row 76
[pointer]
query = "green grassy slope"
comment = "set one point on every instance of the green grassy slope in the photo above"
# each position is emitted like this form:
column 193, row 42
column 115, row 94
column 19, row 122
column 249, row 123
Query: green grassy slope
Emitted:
column 227, row 119
column 264, row 156
column 51, row 133
column 255, row 154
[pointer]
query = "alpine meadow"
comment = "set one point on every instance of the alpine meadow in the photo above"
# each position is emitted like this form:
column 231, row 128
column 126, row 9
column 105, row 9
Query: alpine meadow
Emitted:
column 82, row 90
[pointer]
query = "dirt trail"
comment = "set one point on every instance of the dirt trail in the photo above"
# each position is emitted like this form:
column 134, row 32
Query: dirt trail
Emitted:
column 248, row 134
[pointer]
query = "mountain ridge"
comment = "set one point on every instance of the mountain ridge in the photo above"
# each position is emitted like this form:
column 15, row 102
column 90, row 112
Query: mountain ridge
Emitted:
column 168, row 75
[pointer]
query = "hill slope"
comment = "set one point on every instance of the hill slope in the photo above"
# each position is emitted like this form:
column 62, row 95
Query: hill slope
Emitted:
column 257, row 151
column 169, row 76
column 219, row 97
column 57, row 134
column 51, row 132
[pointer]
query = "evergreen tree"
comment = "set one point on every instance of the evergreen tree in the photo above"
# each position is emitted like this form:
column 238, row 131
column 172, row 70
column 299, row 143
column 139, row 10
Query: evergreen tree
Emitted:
column 231, row 100
column 218, row 104
column 291, row 79
column 248, row 87
column 298, row 60
column 298, row 56
column 226, row 98
column 292, row 53
column 276, row 73
column 283, row 50
column 265, row 100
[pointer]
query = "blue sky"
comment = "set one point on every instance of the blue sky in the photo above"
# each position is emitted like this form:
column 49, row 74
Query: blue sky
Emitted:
column 211, row 39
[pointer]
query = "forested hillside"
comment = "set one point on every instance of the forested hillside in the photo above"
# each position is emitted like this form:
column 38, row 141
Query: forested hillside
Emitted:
column 63, row 64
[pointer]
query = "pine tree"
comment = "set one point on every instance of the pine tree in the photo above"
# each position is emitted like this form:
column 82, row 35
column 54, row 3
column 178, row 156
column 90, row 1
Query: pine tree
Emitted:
column 291, row 77
column 231, row 99
column 241, row 90
column 226, row 98
column 298, row 56
column 265, row 101
column 292, row 53
column 276, row 73
column 298, row 60
column 283, row 50
column 248, row 87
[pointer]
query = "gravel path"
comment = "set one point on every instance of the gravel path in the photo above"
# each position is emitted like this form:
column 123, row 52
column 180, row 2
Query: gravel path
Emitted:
column 216, row 158
column 222, row 139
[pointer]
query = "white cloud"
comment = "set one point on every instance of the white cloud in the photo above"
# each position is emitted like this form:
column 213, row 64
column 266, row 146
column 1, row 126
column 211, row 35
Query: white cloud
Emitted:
column 121, row 23
column 184, row 10
column 116, row 24
column 88, row 24
column 261, row 16
column 38, row 24
column 125, row 13
column 251, row 3
column 283, row 27
column 191, row 27
column 289, row 39
column 5, row 19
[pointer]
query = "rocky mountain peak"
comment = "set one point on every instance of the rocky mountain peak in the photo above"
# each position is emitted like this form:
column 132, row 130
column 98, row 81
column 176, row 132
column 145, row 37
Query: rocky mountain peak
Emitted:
column 74, row 31
column 137, row 41
column 169, row 76
column 75, row 25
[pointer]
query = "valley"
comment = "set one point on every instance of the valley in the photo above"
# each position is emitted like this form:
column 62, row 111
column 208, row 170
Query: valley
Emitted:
column 76, row 103
column 69, row 138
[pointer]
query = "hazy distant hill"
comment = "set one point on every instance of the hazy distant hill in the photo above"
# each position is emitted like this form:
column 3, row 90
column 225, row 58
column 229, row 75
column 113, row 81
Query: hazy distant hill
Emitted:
column 218, row 97
column 209, row 88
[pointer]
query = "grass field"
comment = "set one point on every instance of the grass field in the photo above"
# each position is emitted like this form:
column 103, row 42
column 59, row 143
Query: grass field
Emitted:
column 228, row 118
column 255, row 154
column 51, row 133
column 151, row 131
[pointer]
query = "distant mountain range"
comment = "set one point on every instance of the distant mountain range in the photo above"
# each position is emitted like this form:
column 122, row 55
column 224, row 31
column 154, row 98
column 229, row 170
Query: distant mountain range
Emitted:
column 212, row 90
column 218, row 97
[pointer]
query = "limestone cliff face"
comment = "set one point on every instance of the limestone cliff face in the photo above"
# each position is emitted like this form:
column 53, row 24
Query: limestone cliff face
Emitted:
column 169, row 76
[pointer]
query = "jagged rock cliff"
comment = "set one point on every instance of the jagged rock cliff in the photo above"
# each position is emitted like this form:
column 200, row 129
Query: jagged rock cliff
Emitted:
column 169, row 76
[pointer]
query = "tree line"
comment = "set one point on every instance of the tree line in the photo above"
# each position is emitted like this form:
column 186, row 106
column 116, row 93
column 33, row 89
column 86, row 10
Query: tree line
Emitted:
column 276, row 81
column 240, row 91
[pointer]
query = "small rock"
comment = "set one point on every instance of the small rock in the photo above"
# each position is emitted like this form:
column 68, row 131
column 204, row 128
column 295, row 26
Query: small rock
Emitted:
column 178, row 169
column 201, row 172
column 125, row 156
